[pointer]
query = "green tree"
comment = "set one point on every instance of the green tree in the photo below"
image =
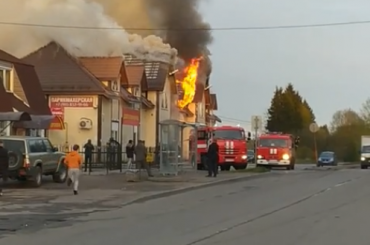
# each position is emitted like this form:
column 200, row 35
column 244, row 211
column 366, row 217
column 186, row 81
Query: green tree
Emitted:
column 293, row 109
column 307, row 114
column 347, row 126
column 275, row 118
column 288, row 112
column 365, row 112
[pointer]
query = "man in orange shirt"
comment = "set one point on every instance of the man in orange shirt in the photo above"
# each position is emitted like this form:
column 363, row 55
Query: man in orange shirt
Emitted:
column 73, row 162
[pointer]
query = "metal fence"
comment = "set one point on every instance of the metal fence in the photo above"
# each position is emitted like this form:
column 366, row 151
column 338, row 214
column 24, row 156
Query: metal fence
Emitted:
column 108, row 159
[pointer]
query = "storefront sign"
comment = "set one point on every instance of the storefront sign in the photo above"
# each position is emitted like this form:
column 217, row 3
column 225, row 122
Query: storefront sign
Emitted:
column 58, row 122
column 71, row 101
column 130, row 117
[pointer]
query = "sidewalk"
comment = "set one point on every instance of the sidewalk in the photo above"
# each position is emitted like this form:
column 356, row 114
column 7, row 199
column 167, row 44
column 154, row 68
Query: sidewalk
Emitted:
column 103, row 192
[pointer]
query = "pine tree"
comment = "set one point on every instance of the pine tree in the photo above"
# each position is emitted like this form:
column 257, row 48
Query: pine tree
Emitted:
column 274, row 118
column 288, row 111
column 293, row 109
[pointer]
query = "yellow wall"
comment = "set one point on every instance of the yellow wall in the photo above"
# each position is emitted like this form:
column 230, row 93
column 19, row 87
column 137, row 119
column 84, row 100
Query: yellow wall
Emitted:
column 148, row 122
column 106, row 121
column 73, row 134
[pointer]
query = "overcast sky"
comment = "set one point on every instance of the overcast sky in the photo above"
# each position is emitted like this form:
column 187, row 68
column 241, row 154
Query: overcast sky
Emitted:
column 329, row 66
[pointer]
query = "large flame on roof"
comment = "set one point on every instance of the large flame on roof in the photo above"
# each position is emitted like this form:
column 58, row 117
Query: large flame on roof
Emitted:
column 188, row 84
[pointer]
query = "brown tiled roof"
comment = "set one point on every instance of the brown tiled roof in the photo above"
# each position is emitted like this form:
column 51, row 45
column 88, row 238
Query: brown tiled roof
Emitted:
column 199, row 92
column 19, row 105
column 103, row 68
column 5, row 101
column 214, row 118
column 59, row 72
column 213, row 102
column 128, row 97
column 136, row 76
column 147, row 103
column 4, row 56
column 30, row 84
column 156, row 75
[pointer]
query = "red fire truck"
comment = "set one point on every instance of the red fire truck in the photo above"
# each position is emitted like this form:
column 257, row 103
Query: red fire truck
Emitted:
column 232, row 146
column 277, row 150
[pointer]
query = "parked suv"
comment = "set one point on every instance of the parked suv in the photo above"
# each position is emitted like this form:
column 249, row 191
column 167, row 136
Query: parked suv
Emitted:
column 31, row 158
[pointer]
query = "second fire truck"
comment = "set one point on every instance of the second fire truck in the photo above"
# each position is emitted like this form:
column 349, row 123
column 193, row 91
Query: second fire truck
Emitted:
column 277, row 150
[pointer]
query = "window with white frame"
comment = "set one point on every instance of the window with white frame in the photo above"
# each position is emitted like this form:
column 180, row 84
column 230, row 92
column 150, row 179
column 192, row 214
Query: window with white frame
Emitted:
column 5, row 78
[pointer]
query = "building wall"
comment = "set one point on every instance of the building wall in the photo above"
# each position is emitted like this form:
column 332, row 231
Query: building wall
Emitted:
column 149, row 121
column 73, row 113
column 106, row 123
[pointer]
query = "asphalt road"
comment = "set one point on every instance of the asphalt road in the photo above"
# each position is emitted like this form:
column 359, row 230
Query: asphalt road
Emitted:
column 285, row 208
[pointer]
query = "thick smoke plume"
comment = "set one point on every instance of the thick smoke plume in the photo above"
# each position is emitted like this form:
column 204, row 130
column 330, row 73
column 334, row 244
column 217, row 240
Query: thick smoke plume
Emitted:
column 177, row 21
column 22, row 40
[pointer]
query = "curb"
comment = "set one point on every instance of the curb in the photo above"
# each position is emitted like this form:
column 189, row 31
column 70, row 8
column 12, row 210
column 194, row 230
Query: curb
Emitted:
column 344, row 166
column 196, row 187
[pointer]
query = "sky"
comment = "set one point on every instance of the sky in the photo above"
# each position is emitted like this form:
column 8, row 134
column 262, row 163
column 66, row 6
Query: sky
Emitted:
column 329, row 66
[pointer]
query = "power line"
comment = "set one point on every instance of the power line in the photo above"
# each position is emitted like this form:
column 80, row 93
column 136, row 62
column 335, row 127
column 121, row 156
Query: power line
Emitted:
column 234, row 119
column 193, row 29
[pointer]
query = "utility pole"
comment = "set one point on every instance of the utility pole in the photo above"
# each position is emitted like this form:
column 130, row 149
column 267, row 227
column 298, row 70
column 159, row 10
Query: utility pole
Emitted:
column 256, row 125
column 314, row 128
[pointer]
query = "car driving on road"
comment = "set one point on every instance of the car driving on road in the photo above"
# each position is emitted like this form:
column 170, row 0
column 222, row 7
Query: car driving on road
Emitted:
column 31, row 158
column 327, row 158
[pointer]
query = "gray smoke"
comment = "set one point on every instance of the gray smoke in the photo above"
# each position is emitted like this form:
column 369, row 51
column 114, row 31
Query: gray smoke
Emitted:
column 173, row 20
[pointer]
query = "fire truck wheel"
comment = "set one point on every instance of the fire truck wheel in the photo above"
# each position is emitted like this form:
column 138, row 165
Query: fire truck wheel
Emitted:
column 225, row 167
column 291, row 167
column 240, row 167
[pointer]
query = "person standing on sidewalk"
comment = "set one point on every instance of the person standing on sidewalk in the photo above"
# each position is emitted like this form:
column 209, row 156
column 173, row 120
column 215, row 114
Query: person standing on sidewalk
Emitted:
column 130, row 148
column 73, row 162
column 4, row 165
column 212, row 158
column 140, row 153
column 88, row 150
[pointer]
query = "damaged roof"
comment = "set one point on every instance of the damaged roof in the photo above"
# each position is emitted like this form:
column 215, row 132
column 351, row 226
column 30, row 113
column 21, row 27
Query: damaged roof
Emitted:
column 59, row 72
column 156, row 75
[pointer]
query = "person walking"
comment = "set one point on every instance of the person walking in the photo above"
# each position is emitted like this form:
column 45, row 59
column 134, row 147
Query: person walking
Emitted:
column 88, row 150
column 4, row 165
column 73, row 161
column 130, row 148
column 140, row 153
column 212, row 158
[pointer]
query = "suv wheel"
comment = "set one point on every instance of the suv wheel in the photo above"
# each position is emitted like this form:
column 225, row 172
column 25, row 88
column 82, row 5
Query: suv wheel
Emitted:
column 60, row 176
column 37, row 177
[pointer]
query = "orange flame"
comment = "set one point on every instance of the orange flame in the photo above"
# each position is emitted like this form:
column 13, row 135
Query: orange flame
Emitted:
column 188, row 84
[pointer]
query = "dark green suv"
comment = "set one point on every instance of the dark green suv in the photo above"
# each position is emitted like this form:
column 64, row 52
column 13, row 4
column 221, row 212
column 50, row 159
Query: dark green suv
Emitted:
column 31, row 158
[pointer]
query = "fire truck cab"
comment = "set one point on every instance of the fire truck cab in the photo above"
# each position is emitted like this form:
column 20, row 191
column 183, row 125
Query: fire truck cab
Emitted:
column 277, row 150
column 232, row 142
